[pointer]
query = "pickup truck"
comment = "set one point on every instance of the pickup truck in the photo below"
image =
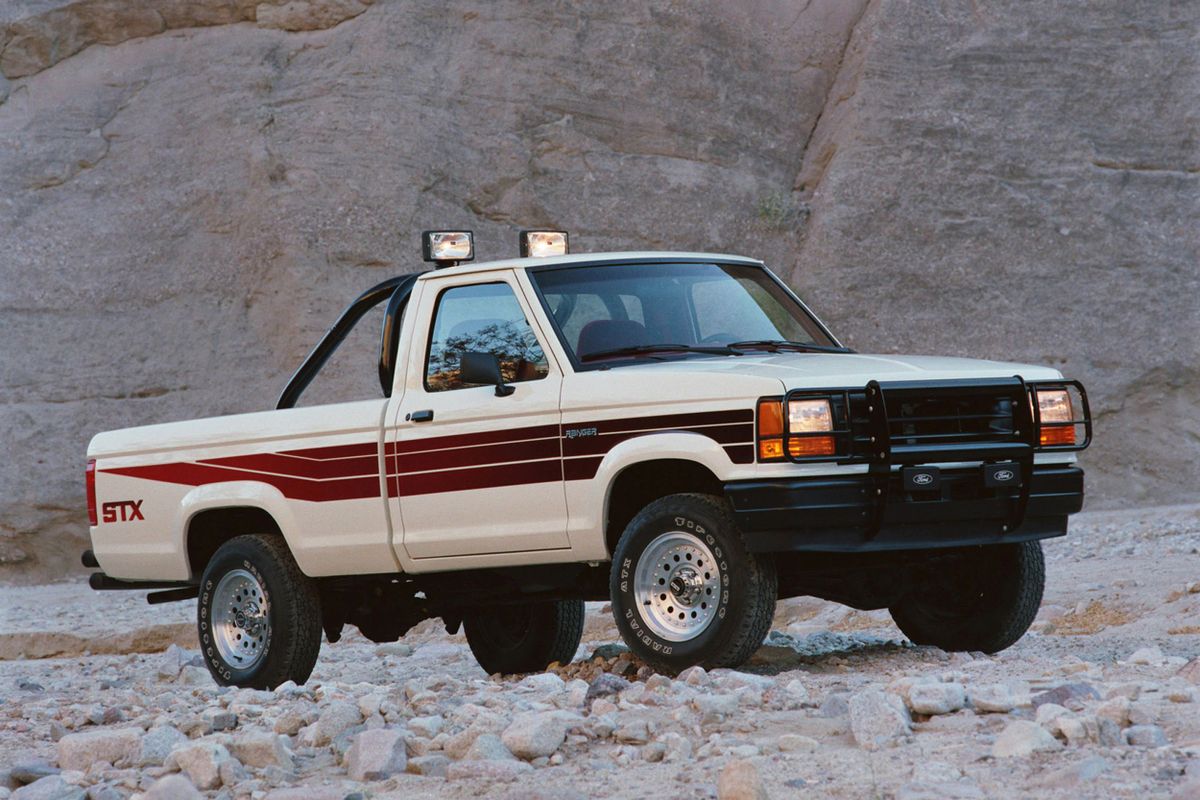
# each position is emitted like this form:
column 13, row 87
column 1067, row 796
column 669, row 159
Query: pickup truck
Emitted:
column 676, row 433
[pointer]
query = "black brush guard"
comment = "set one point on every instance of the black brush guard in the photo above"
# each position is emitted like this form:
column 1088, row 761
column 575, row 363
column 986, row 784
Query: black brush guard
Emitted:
column 887, row 427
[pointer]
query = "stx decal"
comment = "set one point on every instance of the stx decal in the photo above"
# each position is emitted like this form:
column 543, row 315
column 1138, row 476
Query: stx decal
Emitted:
column 122, row 510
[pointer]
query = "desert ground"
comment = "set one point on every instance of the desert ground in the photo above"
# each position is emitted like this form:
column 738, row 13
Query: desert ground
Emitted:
column 103, row 697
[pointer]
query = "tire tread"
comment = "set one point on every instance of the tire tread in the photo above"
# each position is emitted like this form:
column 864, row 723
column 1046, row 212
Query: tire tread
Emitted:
column 759, row 576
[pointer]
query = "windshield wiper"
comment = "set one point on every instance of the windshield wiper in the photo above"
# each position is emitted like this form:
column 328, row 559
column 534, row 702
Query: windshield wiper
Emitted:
column 775, row 345
column 651, row 349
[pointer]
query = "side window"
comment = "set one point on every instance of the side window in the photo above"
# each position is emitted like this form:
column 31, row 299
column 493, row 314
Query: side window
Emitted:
column 484, row 318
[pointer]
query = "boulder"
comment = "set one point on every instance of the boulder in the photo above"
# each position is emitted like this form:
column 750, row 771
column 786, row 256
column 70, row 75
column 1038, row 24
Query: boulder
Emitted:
column 1146, row 736
column 795, row 743
column 51, row 787
column 377, row 755
column 157, row 744
column 260, row 749
column 740, row 780
column 433, row 765
column 535, row 734
column 488, row 747
column 936, row 698
column 173, row 787
column 78, row 751
column 336, row 718
column 1023, row 738
column 878, row 720
column 201, row 760
column 1070, row 695
column 995, row 698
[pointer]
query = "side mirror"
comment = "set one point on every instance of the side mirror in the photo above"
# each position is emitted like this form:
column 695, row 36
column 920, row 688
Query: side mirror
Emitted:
column 484, row 368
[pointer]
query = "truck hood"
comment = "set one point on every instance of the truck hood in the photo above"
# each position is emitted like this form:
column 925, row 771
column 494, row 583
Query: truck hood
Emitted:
column 846, row 370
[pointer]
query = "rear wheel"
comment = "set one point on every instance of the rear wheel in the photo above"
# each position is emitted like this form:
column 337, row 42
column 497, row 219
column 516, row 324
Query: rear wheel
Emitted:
column 685, row 590
column 983, row 600
column 528, row 637
column 259, row 616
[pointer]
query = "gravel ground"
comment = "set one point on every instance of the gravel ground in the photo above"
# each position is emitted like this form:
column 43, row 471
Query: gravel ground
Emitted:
column 1101, row 698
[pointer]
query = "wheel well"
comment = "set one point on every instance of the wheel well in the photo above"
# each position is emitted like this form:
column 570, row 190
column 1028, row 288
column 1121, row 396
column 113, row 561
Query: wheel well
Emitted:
column 638, row 485
column 210, row 529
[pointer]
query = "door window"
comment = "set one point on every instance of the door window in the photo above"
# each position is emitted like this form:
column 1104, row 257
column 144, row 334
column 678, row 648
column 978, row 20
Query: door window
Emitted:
column 484, row 318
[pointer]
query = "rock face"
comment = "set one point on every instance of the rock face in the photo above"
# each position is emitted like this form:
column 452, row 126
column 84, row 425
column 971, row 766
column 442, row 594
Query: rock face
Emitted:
column 190, row 192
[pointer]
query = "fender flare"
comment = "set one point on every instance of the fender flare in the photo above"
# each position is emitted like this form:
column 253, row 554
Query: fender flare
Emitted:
column 671, row 445
column 234, row 494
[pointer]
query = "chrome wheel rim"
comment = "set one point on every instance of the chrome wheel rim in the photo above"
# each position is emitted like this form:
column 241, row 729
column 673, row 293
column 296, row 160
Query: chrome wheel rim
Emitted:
column 677, row 585
column 239, row 619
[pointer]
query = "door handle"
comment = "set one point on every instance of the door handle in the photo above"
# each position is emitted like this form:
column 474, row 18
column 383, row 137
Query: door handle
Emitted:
column 421, row 416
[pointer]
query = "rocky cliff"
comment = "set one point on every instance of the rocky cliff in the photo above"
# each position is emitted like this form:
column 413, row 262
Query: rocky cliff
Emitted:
column 190, row 191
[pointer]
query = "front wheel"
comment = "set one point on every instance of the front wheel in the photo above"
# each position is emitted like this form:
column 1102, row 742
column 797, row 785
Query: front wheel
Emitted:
column 526, row 637
column 982, row 599
column 259, row 616
column 685, row 590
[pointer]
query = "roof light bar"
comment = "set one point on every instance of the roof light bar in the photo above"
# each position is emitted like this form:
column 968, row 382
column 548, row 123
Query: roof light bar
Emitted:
column 447, row 248
column 540, row 244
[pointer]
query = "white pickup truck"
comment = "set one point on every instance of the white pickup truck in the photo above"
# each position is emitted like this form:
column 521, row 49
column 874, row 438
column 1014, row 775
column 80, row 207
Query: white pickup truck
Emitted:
column 674, row 432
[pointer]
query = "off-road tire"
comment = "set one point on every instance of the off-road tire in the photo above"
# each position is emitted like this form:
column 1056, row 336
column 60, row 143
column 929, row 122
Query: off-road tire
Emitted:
column 997, row 593
column 745, row 601
column 293, row 637
column 514, row 639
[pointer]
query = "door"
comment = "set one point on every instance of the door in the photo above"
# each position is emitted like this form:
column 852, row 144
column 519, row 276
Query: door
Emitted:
column 476, row 473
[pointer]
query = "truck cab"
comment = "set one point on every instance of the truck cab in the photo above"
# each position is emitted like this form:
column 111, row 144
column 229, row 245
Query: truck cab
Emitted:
column 674, row 432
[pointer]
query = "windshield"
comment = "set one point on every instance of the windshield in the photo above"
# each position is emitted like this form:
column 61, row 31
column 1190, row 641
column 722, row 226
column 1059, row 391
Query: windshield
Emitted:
column 630, row 311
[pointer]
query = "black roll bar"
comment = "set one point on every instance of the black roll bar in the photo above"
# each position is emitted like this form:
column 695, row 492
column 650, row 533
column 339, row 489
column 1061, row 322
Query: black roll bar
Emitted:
column 397, row 291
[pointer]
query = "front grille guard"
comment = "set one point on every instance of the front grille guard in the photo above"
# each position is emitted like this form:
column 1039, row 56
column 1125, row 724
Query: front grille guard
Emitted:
column 862, row 434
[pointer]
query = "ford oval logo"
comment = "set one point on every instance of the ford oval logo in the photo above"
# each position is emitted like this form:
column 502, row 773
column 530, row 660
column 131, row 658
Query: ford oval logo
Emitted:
column 923, row 479
column 1003, row 475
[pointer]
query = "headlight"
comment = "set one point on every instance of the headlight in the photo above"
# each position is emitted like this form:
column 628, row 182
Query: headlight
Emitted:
column 540, row 244
column 1057, row 418
column 447, row 248
column 809, row 416
column 807, row 420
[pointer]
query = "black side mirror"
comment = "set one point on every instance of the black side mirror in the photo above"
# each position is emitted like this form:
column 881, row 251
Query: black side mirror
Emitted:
column 484, row 368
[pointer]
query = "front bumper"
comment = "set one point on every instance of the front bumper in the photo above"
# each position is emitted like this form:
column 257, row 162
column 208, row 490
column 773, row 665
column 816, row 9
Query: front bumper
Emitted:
column 862, row 512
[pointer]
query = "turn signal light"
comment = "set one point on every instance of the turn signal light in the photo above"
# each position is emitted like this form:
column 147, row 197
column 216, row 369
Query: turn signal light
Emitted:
column 770, row 449
column 770, row 430
column 1056, row 435
column 806, row 446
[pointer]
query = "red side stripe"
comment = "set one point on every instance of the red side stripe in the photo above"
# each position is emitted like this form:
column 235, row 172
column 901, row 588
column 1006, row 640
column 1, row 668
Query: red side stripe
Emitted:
column 472, row 439
column 667, row 421
column 450, row 463
column 589, row 445
column 481, row 478
column 477, row 456
column 292, row 466
column 335, row 451
column 581, row 469
column 741, row 454
column 293, row 488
